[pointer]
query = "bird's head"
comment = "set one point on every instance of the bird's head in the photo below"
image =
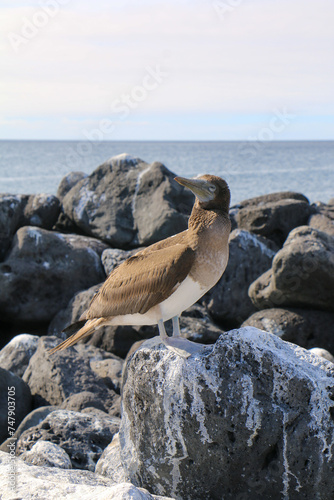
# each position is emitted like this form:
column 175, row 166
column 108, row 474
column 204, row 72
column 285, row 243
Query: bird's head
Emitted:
column 211, row 191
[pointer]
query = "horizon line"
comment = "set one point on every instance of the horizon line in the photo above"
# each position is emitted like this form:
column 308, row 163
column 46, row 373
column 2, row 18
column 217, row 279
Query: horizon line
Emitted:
column 167, row 140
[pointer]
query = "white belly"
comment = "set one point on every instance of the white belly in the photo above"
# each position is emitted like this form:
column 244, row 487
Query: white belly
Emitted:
column 184, row 296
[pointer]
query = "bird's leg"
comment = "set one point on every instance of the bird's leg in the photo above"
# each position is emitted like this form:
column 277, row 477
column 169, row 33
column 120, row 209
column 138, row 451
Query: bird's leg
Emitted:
column 162, row 330
column 176, row 327
column 181, row 346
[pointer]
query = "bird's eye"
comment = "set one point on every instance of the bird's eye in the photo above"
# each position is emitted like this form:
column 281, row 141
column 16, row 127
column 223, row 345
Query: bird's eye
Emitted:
column 212, row 188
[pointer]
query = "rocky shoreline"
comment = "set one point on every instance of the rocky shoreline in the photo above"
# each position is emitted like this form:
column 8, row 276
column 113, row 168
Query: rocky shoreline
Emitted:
column 270, row 399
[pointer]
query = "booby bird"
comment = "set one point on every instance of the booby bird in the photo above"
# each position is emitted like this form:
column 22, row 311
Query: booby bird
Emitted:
column 161, row 281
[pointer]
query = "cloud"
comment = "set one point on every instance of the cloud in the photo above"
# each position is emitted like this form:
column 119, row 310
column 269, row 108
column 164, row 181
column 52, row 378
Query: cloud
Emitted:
column 257, row 57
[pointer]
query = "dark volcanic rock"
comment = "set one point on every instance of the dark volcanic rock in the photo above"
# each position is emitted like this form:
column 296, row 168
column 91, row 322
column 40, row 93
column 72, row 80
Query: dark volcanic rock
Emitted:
column 119, row 339
column 250, row 256
column 113, row 257
column 47, row 454
column 302, row 273
column 11, row 213
column 35, row 417
column 110, row 370
column 16, row 354
column 53, row 483
column 83, row 437
column 323, row 353
column 64, row 224
column 110, row 463
column 68, row 182
column 54, row 378
column 82, row 400
column 272, row 215
column 15, row 403
column 44, row 270
column 41, row 210
column 323, row 219
column 306, row 328
column 127, row 202
column 77, row 305
column 252, row 417
column 196, row 325
column 321, row 222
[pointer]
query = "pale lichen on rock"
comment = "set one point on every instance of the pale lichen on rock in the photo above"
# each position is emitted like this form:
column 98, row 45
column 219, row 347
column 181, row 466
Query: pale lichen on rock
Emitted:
column 252, row 413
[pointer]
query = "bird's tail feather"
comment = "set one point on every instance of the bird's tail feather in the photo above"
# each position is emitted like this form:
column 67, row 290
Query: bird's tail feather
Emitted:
column 87, row 329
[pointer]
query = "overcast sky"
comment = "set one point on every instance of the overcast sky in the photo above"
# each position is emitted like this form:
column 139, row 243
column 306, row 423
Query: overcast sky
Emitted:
column 167, row 70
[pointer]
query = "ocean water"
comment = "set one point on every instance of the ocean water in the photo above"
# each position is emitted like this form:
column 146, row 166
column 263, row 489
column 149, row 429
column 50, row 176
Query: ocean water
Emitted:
column 250, row 168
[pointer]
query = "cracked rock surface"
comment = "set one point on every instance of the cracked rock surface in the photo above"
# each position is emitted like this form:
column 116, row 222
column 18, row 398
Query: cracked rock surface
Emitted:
column 253, row 415
column 127, row 202
column 302, row 273
column 82, row 436
column 39, row 483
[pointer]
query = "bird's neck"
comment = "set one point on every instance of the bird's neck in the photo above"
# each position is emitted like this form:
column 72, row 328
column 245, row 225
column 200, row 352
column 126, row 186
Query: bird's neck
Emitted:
column 201, row 218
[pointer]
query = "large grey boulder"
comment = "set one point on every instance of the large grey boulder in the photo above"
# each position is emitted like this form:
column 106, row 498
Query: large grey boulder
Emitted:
column 47, row 454
column 68, row 182
column 250, row 256
column 323, row 218
column 127, row 203
column 305, row 327
column 54, row 378
column 11, row 212
column 82, row 436
column 15, row 403
column 35, row 417
column 302, row 273
column 323, row 353
column 43, row 271
column 64, row 224
column 251, row 417
column 272, row 215
column 110, row 370
column 81, row 401
column 110, row 463
column 41, row 210
column 15, row 355
column 53, row 483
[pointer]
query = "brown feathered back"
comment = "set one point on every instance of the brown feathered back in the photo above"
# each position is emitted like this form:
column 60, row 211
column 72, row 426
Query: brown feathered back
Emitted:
column 141, row 282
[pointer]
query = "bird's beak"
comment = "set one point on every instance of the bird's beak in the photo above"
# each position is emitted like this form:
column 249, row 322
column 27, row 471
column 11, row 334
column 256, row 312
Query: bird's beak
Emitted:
column 199, row 187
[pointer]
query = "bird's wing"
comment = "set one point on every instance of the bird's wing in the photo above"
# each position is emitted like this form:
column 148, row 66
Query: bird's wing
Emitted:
column 142, row 281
